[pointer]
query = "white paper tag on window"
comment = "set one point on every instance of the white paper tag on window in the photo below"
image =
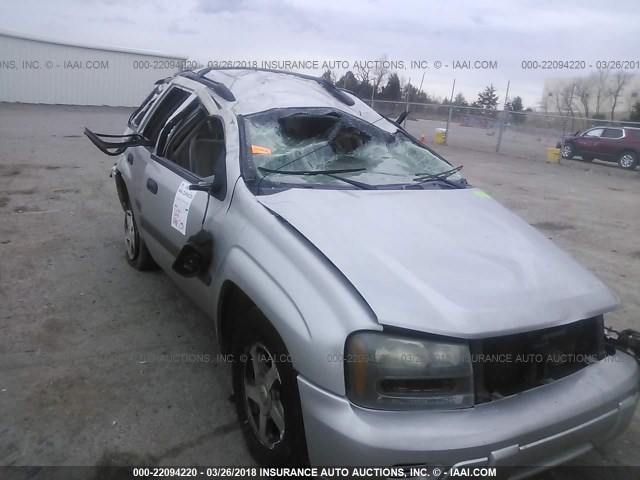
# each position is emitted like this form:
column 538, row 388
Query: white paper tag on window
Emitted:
column 181, row 205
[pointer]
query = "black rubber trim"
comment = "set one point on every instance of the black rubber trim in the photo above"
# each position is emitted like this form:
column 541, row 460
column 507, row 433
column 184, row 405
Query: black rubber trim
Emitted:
column 115, row 148
column 178, row 170
column 220, row 88
column 194, row 108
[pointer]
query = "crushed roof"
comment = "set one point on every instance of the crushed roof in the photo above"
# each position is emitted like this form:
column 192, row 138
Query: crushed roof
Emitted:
column 257, row 91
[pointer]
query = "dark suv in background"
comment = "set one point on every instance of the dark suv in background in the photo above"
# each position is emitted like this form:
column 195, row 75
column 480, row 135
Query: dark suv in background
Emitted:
column 612, row 144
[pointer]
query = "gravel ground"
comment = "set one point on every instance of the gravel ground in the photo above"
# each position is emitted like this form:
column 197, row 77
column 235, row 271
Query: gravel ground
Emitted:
column 85, row 340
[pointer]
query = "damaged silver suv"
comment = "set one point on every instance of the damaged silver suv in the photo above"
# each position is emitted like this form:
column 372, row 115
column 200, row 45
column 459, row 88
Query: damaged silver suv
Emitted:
column 380, row 310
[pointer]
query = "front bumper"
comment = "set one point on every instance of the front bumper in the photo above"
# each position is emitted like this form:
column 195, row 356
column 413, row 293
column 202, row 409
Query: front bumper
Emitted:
column 541, row 427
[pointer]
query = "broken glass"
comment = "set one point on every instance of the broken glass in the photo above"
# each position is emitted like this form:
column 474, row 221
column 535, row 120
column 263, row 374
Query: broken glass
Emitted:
column 281, row 140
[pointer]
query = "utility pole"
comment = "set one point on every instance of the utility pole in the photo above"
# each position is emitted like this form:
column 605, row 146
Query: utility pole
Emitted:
column 565, row 121
column 406, row 107
column 373, row 91
column 446, row 133
column 504, row 118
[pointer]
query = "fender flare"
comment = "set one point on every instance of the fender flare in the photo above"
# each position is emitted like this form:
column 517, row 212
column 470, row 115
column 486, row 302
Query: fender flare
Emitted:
column 265, row 292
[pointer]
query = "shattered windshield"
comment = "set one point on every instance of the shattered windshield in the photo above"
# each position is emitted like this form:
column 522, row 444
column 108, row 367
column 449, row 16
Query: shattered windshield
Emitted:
column 309, row 148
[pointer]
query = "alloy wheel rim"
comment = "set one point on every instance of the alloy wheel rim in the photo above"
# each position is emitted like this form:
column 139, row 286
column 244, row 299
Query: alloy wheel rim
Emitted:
column 263, row 396
column 129, row 235
column 626, row 161
column 566, row 150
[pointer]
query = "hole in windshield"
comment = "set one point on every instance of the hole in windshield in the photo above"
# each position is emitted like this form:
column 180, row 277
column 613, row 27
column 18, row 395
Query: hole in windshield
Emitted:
column 305, row 149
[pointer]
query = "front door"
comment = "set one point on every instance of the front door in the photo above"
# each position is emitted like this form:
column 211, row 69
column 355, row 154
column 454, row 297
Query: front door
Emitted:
column 589, row 141
column 191, row 149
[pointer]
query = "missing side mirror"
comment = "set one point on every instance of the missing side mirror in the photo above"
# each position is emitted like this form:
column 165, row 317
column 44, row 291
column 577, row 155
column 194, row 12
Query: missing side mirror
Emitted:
column 195, row 255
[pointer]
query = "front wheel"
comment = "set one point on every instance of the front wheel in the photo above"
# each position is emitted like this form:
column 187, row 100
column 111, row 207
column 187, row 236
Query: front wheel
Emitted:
column 628, row 160
column 136, row 251
column 567, row 150
column 266, row 394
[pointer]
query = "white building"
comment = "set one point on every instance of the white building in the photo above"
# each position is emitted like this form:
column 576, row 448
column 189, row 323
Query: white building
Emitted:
column 39, row 70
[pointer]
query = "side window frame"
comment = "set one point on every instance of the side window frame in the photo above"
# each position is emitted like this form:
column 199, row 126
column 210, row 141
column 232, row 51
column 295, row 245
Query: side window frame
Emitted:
column 220, row 174
column 155, row 111
column 139, row 114
column 615, row 129
column 175, row 123
column 586, row 134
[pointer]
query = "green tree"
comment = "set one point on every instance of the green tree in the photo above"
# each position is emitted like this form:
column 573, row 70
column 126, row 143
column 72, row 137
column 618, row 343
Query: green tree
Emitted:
column 392, row 90
column 348, row 81
column 488, row 99
column 459, row 100
column 516, row 107
column 415, row 95
column 328, row 75
column 363, row 90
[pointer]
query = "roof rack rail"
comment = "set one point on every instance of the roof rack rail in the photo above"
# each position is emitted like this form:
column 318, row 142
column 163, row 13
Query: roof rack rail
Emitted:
column 220, row 88
column 326, row 84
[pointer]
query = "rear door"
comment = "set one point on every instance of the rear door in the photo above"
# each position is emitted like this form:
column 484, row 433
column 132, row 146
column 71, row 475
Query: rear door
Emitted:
column 611, row 143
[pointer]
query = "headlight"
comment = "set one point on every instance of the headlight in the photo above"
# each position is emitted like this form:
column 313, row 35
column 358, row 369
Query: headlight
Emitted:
column 395, row 372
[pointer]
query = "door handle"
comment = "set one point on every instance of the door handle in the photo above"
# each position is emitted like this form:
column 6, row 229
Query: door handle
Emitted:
column 130, row 159
column 152, row 186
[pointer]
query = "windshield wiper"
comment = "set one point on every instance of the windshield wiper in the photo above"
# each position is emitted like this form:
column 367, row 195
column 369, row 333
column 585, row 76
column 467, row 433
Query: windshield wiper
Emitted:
column 442, row 176
column 445, row 174
column 329, row 173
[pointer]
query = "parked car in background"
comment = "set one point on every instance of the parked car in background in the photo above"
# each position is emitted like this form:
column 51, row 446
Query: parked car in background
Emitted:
column 380, row 310
column 611, row 144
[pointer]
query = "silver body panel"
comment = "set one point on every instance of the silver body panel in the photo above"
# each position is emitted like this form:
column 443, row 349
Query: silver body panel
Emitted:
column 544, row 426
column 452, row 262
column 322, row 264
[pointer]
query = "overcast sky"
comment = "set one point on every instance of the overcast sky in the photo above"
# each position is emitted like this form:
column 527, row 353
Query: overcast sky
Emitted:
column 506, row 31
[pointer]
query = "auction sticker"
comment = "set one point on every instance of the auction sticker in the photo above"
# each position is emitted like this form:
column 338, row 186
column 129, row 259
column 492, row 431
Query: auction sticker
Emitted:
column 181, row 205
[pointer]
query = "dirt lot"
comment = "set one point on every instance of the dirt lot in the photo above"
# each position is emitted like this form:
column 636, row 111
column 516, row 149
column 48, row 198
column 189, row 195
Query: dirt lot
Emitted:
column 514, row 143
column 81, row 333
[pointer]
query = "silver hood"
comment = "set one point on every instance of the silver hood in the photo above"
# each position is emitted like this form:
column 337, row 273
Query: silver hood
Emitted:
column 450, row 262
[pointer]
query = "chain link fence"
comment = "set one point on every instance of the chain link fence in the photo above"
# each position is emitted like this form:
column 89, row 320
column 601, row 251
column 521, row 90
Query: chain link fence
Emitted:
column 524, row 134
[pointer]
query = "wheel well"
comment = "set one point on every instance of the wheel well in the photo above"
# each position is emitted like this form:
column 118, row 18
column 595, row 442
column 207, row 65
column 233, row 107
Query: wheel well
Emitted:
column 627, row 150
column 233, row 303
column 123, row 193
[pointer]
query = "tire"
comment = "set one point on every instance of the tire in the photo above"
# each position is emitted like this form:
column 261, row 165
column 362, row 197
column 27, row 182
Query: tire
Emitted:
column 270, row 414
column 567, row 150
column 136, row 251
column 587, row 158
column 628, row 160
